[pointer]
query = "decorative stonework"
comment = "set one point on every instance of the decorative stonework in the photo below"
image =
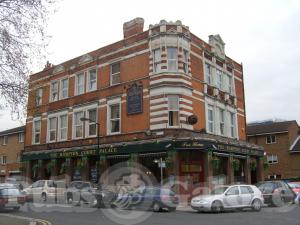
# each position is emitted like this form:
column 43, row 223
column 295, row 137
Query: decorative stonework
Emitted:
column 218, row 45
column 84, row 59
column 59, row 69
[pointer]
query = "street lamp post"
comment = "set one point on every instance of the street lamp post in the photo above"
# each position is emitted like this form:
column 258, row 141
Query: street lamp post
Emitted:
column 160, row 164
column 98, row 130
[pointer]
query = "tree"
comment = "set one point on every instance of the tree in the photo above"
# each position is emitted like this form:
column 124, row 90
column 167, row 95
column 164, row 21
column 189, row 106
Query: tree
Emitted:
column 23, row 44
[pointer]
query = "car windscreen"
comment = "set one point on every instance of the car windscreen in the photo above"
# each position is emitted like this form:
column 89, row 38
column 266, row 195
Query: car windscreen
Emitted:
column 267, row 187
column 10, row 192
column 218, row 191
column 294, row 185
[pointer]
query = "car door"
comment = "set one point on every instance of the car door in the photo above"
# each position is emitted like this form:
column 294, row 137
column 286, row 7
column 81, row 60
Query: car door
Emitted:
column 37, row 189
column 232, row 197
column 246, row 195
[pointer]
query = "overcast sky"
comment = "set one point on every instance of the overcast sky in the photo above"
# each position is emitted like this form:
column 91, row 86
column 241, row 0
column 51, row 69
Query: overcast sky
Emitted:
column 263, row 35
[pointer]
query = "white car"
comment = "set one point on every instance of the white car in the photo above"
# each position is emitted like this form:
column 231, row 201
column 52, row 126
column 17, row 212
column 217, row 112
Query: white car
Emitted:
column 229, row 197
column 42, row 190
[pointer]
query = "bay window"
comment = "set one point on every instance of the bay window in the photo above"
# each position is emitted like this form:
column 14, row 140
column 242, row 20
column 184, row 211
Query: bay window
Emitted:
column 172, row 59
column 156, row 60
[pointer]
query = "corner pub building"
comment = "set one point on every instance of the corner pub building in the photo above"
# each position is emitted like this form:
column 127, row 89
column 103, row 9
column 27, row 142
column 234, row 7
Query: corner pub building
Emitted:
column 160, row 94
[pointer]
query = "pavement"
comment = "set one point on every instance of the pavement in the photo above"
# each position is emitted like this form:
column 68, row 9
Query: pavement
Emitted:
column 12, row 219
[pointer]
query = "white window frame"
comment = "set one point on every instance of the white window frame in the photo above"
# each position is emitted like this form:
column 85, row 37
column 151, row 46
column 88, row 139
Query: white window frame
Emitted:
column 51, row 130
column 230, row 84
column 37, row 119
column 2, row 161
column 210, row 108
column 88, row 88
column 115, row 74
column 222, row 122
column 109, row 104
column 88, row 123
column 74, row 124
column 21, row 137
column 173, row 110
column 185, row 61
column 169, row 60
column 232, row 125
column 272, row 159
column 208, row 76
column 156, row 60
column 38, row 96
column 271, row 141
column 219, row 79
column 59, row 128
column 52, row 92
column 62, row 89
column 76, row 83
column 5, row 140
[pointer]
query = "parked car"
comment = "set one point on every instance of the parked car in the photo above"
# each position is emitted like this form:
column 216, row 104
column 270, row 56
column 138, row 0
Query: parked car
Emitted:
column 229, row 197
column 295, row 187
column 148, row 198
column 11, row 197
column 46, row 190
column 276, row 193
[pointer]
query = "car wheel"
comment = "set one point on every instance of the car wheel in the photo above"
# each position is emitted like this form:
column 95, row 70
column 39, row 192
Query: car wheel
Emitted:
column 156, row 207
column 256, row 205
column 217, row 207
column 44, row 197
column 69, row 199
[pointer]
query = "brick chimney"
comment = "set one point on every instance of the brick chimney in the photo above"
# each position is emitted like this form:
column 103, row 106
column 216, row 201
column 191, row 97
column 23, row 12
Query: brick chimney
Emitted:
column 133, row 27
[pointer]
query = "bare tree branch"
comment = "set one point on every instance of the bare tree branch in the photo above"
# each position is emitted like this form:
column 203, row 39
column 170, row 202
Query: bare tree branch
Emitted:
column 22, row 46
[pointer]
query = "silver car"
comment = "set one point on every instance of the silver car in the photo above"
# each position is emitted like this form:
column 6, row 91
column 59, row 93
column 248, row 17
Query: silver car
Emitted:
column 229, row 197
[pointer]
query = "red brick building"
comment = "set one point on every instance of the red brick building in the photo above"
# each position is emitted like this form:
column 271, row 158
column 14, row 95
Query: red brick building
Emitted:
column 11, row 146
column 281, row 141
column 160, row 93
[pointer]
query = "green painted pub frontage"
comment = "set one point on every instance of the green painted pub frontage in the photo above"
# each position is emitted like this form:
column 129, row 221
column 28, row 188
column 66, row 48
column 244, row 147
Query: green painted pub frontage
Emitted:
column 195, row 159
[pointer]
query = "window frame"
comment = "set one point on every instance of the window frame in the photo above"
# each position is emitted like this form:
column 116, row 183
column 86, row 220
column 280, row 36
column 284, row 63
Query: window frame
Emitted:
column 89, row 123
column 2, row 161
column 52, row 92
column 109, row 120
column 49, row 130
column 34, row 133
column 156, row 60
column 219, row 79
column 5, row 140
column 39, row 96
column 185, row 61
column 232, row 125
column 77, row 84
column 208, row 76
column 115, row 74
column 21, row 137
column 75, row 126
column 272, row 161
column 174, row 110
column 88, row 88
column 271, row 140
column 212, row 122
column 172, row 60
column 59, row 128
column 62, row 89
column 222, row 121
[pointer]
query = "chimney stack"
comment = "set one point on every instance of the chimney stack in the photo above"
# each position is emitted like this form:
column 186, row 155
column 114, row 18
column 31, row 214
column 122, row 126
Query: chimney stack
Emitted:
column 133, row 27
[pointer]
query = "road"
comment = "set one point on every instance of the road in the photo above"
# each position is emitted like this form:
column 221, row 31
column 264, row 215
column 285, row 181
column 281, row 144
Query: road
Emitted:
column 65, row 215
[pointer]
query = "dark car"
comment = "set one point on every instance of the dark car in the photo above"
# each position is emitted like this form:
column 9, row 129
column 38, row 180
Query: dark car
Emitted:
column 88, row 193
column 276, row 193
column 148, row 198
column 11, row 197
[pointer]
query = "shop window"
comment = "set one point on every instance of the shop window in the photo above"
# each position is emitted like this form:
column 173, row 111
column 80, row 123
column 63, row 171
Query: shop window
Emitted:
column 79, row 84
column 64, row 87
column 185, row 61
column 172, row 59
column 208, row 73
column 36, row 131
column 54, row 91
column 156, row 60
column 114, row 118
column 272, row 159
column 92, row 80
column 173, row 107
column 38, row 96
column 115, row 74
column 271, row 139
